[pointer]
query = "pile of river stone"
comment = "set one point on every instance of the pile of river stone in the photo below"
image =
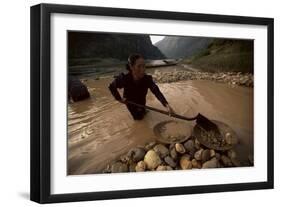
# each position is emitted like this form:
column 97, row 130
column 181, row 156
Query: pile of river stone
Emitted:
column 190, row 154
column 233, row 78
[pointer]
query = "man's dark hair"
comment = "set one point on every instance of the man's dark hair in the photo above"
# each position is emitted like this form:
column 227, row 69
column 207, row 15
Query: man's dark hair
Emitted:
column 132, row 60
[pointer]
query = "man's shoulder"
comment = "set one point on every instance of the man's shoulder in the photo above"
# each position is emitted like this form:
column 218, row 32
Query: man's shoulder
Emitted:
column 148, row 77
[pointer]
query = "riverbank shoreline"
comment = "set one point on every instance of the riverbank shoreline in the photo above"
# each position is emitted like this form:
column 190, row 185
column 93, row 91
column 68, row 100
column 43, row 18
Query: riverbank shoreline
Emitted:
column 182, row 73
column 233, row 78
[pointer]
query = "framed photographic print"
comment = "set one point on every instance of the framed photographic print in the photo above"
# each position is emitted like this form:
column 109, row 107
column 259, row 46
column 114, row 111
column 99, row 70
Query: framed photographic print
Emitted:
column 132, row 103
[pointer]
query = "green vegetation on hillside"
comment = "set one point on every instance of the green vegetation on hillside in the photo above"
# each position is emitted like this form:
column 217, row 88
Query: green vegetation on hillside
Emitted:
column 225, row 55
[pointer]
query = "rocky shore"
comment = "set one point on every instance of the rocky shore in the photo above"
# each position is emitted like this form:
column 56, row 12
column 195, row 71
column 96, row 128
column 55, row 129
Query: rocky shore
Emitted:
column 233, row 78
column 191, row 154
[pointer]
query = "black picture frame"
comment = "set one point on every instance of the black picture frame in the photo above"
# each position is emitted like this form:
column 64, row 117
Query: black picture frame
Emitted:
column 40, row 102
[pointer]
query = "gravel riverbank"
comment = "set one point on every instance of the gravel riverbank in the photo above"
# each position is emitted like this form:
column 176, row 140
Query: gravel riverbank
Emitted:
column 233, row 78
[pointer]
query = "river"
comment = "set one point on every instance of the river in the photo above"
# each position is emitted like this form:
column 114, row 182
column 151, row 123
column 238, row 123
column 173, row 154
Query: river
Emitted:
column 101, row 129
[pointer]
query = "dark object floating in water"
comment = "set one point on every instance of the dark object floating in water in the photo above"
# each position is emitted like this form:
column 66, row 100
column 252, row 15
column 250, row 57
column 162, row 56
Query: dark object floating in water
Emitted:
column 209, row 139
column 77, row 91
column 172, row 131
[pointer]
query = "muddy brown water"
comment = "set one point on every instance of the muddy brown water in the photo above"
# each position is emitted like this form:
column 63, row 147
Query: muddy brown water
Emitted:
column 101, row 129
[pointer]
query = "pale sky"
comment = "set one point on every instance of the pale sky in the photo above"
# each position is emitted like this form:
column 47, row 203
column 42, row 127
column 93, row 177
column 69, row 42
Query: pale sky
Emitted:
column 155, row 38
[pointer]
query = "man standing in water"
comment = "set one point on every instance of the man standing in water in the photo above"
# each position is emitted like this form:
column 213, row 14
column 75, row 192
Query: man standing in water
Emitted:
column 136, row 83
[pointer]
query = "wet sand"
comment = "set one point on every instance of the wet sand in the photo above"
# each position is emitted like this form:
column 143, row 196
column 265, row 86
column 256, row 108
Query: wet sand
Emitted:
column 101, row 129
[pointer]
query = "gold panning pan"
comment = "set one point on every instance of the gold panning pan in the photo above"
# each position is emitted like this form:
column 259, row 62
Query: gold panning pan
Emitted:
column 171, row 131
column 226, row 141
column 201, row 120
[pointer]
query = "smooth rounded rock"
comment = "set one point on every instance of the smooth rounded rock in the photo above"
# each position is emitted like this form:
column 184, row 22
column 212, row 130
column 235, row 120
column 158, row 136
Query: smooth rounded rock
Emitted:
column 180, row 148
column 140, row 167
column 205, row 155
column 170, row 161
column 198, row 155
column 136, row 154
column 196, row 164
column 185, row 162
column 161, row 150
column 189, row 145
column 152, row 159
column 212, row 153
column 173, row 154
column 163, row 168
column 213, row 163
